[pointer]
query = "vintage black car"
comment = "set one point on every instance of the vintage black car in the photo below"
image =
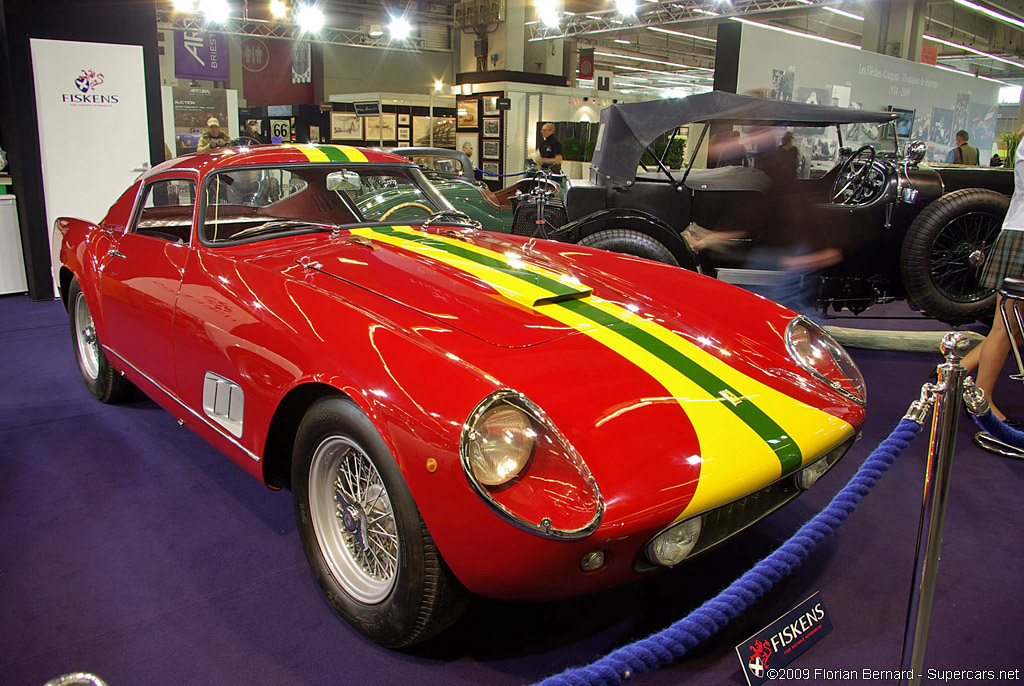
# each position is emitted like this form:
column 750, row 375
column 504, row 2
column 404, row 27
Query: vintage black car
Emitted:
column 906, row 229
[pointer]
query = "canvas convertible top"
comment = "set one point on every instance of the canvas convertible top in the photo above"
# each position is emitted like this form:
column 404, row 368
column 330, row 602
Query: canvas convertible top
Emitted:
column 628, row 129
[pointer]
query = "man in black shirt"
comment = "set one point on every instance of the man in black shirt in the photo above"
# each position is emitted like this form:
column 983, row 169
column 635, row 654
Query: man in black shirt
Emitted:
column 549, row 150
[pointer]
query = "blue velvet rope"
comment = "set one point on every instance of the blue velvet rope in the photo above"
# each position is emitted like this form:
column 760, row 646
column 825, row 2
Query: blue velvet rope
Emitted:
column 500, row 176
column 670, row 644
column 1000, row 431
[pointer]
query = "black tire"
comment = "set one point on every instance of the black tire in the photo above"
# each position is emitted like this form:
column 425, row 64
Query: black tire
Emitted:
column 368, row 547
column 944, row 254
column 102, row 380
column 630, row 242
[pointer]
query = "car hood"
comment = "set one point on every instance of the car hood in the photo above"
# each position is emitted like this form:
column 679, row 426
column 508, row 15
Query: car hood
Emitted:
column 482, row 284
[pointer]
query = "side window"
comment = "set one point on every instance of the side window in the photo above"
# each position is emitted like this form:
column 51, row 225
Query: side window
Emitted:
column 241, row 201
column 166, row 211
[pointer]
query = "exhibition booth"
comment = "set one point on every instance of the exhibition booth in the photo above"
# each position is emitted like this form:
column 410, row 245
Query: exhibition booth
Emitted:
column 630, row 387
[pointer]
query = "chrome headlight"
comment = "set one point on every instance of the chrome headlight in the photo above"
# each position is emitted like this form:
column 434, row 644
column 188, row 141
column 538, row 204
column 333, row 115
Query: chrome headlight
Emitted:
column 822, row 356
column 500, row 444
column 524, row 469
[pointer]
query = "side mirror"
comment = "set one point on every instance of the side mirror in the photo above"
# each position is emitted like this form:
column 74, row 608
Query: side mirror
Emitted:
column 916, row 152
column 344, row 181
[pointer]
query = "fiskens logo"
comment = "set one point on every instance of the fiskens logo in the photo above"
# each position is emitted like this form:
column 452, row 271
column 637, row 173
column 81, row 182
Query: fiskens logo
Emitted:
column 87, row 82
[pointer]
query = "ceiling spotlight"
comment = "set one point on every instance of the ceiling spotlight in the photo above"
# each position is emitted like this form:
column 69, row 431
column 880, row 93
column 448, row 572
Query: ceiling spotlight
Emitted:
column 547, row 12
column 375, row 31
column 626, row 8
column 184, row 5
column 309, row 18
column 399, row 28
column 215, row 11
column 278, row 9
column 438, row 86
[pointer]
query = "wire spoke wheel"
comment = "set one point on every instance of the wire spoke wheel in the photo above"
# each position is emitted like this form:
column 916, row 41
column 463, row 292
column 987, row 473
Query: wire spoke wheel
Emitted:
column 958, row 255
column 85, row 339
column 353, row 519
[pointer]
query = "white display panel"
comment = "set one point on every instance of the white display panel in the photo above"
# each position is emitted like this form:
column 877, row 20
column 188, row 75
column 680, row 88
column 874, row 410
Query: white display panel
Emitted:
column 93, row 124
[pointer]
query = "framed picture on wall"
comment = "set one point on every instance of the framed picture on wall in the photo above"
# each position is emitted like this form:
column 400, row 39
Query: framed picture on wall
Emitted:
column 346, row 126
column 468, row 113
column 466, row 142
column 403, row 132
column 492, row 127
column 490, row 105
column 421, row 130
column 444, row 132
column 492, row 149
column 373, row 125
column 403, row 120
column 491, row 168
column 314, row 133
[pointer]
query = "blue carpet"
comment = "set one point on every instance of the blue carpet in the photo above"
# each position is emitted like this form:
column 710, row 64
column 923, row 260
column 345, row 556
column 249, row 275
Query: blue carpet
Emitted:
column 133, row 550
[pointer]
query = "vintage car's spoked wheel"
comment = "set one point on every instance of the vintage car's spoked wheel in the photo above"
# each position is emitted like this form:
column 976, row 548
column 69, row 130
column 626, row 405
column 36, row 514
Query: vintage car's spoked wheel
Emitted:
column 357, row 533
column 102, row 380
column 959, row 253
column 945, row 251
column 362, row 533
column 851, row 184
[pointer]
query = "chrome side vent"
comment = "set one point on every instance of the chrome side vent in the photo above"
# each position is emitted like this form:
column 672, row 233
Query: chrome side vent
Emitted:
column 223, row 402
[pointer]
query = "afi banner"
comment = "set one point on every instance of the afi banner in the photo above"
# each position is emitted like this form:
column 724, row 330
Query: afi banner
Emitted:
column 200, row 55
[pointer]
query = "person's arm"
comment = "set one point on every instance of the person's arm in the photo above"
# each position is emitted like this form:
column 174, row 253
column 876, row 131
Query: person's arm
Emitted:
column 951, row 156
column 204, row 144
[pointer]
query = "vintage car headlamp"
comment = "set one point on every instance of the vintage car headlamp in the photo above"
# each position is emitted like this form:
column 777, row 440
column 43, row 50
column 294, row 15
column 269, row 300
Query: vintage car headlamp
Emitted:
column 526, row 471
column 673, row 545
column 822, row 356
column 500, row 444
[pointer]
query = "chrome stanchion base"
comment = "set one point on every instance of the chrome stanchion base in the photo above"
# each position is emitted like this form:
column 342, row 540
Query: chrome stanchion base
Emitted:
column 988, row 442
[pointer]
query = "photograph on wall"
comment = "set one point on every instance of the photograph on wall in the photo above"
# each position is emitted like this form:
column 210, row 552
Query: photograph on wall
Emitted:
column 403, row 133
column 468, row 113
column 941, row 131
column 421, row 130
column 346, row 126
column 981, row 126
column 960, row 112
column 372, row 132
column 492, row 149
column 491, row 106
column 492, row 127
column 491, row 168
column 403, row 120
column 814, row 96
column 922, row 122
column 467, row 144
column 782, row 85
column 193, row 107
column 841, row 96
column 444, row 132
column 314, row 133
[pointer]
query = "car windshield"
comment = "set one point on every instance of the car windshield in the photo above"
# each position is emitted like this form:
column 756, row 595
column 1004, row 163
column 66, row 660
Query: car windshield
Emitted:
column 256, row 202
column 817, row 149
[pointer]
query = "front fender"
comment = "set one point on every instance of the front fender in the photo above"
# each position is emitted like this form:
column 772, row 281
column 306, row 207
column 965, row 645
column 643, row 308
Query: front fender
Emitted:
column 635, row 220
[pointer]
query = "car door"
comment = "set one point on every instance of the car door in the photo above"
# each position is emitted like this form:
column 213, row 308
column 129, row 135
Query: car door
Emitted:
column 141, row 276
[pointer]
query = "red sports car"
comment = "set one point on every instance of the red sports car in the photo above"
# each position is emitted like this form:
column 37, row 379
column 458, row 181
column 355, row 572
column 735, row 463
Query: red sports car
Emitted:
column 452, row 409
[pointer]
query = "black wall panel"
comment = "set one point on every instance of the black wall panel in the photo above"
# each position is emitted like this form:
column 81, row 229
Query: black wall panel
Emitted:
column 128, row 22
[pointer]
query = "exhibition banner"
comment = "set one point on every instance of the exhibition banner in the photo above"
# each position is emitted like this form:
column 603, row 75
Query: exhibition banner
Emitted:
column 267, row 73
column 91, row 108
column 200, row 55
column 193, row 107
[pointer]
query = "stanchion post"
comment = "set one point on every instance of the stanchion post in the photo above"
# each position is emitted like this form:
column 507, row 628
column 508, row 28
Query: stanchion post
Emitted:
column 933, row 505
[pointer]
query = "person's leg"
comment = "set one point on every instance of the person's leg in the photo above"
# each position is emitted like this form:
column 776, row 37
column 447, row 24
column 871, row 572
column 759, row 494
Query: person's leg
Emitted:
column 991, row 357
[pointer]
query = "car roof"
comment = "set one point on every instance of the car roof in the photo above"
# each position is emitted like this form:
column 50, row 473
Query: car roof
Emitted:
column 287, row 153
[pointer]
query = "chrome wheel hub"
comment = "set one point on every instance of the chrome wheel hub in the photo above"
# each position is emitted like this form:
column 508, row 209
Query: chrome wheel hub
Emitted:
column 976, row 258
column 353, row 519
column 86, row 341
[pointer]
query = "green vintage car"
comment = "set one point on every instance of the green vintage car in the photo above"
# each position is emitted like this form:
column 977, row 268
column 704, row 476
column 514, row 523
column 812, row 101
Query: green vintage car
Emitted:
column 452, row 173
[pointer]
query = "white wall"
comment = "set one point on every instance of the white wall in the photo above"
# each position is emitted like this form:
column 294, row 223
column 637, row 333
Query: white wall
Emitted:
column 812, row 67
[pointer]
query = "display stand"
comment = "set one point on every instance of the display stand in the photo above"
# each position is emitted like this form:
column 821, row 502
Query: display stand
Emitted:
column 12, row 259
